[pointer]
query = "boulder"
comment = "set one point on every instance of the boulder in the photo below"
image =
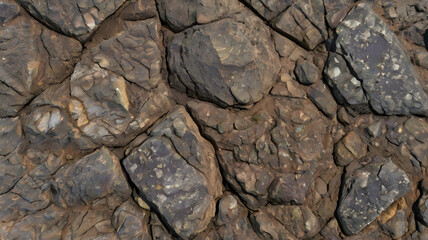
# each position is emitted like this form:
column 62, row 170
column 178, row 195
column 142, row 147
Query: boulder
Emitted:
column 74, row 18
column 228, row 62
column 380, row 62
column 368, row 191
column 175, row 171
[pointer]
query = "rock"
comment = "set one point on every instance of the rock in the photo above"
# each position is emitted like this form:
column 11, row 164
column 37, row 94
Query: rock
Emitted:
column 287, row 87
column 336, row 11
column 11, row 170
column 218, row 62
column 269, row 9
column 174, row 170
column 304, row 23
column 397, row 226
column 135, row 54
column 368, row 191
column 286, row 222
column 349, row 148
column 345, row 87
column 376, row 129
column 422, row 59
column 322, row 98
column 94, row 177
column 10, row 135
column 108, row 109
column 7, row 12
column 306, row 72
column 284, row 189
column 232, row 219
column 380, row 62
column 179, row 15
column 131, row 222
column 72, row 18
column 32, row 59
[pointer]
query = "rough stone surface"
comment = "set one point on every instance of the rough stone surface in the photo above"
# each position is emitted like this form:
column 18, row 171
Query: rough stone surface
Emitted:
column 215, row 63
column 73, row 18
column 174, row 169
column 368, row 191
column 211, row 120
column 392, row 87
column 303, row 22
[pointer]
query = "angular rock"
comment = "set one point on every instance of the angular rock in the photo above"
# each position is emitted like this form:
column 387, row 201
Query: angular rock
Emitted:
column 368, row 191
column 135, row 54
column 72, row 17
column 10, row 135
column 306, row 72
column 94, row 177
column 422, row 59
column 232, row 219
column 303, row 22
column 108, row 109
column 175, row 171
column 269, row 228
column 131, row 222
column 32, row 58
column 345, row 87
column 322, row 98
column 228, row 62
column 349, row 148
column 269, row 9
column 397, row 226
column 179, row 15
column 336, row 11
column 284, row 189
column 11, row 170
column 381, row 63
column 7, row 12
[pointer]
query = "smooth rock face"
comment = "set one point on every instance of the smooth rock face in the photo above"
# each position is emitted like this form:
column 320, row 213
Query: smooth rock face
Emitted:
column 7, row 12
column 380, row 62
column 174, row 169
column 179, row 14
column 32, row 58
column 229, row 62
column 368, row 191
column 306, row 72
column 98, row 175
column 72, row 17
column 304, row 23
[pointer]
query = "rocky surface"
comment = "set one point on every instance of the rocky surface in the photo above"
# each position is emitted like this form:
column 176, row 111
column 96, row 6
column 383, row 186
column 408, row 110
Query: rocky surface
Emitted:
column 213, row 119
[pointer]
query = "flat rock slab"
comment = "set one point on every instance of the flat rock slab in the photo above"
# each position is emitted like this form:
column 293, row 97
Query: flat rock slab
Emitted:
column 72, row 17
column 174, row 170
column 368, row 191
column 228, row 62
column 380, row 63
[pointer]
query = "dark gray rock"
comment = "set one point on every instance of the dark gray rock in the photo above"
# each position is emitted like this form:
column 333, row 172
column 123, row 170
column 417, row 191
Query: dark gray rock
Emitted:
column 322, row 98
column 175, row 171
column 368, row 191
column 32, row 59
column 345, row 87
column 306, row 72
column 381, row 63
column 397, row 226
column 269, row 9
column 11, row 170
column 10, row 135
column 72, row 17
column 131, row 222
column 422, row 204
column 94, row 177
column 135, row 54
column 7, row 12
column 229, row 62
column 303, row 22
column 179, row 14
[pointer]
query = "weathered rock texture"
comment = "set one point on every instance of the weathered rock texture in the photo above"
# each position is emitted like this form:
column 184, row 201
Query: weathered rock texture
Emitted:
column 213, row 119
